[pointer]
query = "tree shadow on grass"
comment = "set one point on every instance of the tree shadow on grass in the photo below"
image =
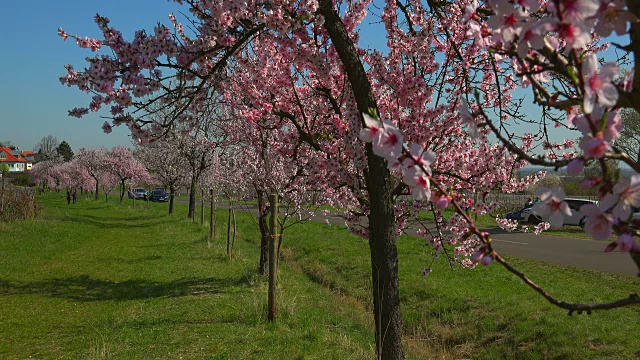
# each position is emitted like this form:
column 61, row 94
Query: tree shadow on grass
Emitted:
column 85, row 288
column 105, row 223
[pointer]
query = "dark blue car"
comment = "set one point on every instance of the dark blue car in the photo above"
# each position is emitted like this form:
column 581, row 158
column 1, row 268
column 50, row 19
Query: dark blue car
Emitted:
column 159, row 195
column 517, row 215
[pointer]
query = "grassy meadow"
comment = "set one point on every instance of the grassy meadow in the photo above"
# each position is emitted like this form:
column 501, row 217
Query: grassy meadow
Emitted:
column 99, row 280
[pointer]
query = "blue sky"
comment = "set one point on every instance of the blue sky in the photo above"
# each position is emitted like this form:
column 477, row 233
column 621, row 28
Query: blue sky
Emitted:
column 33, row 102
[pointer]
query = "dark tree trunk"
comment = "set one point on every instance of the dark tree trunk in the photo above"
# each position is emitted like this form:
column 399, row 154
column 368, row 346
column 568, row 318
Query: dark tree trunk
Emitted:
column 121, row 191
column 229, row 228
column 382, row 227
column 202, row 209
column 273, row 267
column 264, row 235
column 212, row 219
column 172, row 192
column 192, row 199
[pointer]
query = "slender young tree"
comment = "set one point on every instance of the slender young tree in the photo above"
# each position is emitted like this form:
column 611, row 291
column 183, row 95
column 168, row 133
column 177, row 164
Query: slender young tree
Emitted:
column 121, row 163
column 165, row 161
column 93, row 160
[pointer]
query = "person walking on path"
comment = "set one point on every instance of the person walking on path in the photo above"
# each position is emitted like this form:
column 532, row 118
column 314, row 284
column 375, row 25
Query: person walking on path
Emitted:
column 75, row 196
column 68, row 197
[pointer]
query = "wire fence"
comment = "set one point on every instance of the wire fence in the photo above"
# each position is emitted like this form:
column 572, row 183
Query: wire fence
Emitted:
column 17, row 203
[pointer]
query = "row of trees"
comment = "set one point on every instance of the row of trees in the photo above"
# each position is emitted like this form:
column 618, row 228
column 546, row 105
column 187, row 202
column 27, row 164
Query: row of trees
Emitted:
column 435, row 114
column 97, row 169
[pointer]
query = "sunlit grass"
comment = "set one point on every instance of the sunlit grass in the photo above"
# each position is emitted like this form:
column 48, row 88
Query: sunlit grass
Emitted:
column 101, row 280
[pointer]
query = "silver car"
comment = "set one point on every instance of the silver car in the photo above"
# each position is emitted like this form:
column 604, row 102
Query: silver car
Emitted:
column 577, row 218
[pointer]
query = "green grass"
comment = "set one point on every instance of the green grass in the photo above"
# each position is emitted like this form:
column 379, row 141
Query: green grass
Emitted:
column 98, row 280
column 479, row 313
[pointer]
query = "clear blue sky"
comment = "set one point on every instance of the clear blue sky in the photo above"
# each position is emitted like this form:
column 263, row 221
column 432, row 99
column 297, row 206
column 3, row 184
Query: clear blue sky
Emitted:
column 34, row 103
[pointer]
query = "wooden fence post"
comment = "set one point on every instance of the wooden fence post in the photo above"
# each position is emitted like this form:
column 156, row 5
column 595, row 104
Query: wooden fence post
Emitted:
column 202, row 209
column 273, row 201
column 212, row 216
column 229, row 229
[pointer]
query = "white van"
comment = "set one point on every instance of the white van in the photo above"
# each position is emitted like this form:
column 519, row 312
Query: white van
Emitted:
column 577, row 218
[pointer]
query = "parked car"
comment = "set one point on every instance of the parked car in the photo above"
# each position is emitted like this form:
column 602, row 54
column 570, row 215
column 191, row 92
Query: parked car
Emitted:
column 577, row 218
column 517, row 215
column 138, row 193
column 159, row 195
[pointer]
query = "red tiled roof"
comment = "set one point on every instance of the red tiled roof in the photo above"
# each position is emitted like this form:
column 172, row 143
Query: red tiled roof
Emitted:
column 27, row 153
column 10, row 156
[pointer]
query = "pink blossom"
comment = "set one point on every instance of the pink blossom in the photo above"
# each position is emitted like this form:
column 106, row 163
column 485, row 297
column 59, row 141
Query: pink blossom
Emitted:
column 468, row 119
column 388, row 141
column 419, row 157
column 575, row 11
column 627, row 242
column 612, row 17
column 541, row 227
column 385, row 138
column 486, row 260
column 106, row 127
column 506, row 224
column 598, row 83
column 628, row 192
column 78, row 112
column 627, row 81
column 419, row 183
column 613, row 127
column 478, row 255
column 552, row 207
column 575, row 167
column 507, row 21
column 372, row 128
column 442, row 202
column 575, row 35
column 594, row 147
column 599, row 223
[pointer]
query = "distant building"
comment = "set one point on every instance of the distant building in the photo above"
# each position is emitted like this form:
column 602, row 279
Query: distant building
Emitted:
column 31, row 158
column 16, row 162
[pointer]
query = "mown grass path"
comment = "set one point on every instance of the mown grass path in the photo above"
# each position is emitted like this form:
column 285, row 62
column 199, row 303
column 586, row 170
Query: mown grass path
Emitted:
column 103, row 281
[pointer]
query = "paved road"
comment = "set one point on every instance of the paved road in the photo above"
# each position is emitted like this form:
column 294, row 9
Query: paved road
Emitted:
column 564, row 251
column 559, row 250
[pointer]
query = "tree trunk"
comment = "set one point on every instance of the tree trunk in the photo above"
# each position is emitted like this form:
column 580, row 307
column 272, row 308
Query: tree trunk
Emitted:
column 212, row 216
column 271, row 305
column 172, row 191
column 202, row 209
column 229, row 230
column 235, row 225
column 192, row 198
column 97, row 190
column 382, row 227
column 122, row 191
column 264, row 235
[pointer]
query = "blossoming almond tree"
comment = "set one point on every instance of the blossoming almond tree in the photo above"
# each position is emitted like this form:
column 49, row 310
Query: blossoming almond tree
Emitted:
column 93, row 161
column 166, row 163
column 120, row 162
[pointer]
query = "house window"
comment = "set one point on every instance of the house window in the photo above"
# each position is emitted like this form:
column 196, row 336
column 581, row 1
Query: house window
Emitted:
column 3, row 155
